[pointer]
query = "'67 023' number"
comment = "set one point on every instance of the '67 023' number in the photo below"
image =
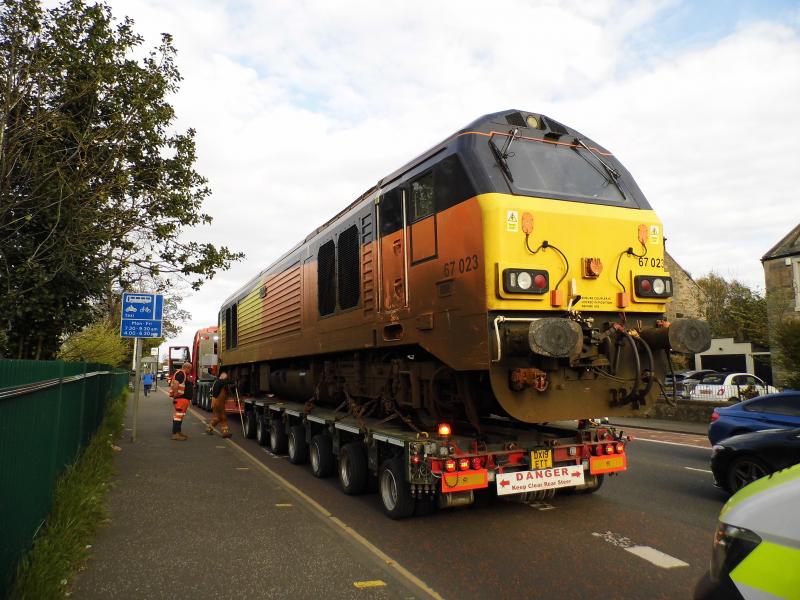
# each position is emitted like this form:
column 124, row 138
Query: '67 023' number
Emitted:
column 462, row 265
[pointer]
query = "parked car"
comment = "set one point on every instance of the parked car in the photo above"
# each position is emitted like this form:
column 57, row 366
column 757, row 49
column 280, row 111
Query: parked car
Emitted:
column 739, row 460
column 730, row 386
column 684, row 381
column 754, row 554
column 763, row 412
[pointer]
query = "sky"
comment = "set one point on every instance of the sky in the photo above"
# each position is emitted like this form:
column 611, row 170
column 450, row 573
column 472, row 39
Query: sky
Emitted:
column 300, row 106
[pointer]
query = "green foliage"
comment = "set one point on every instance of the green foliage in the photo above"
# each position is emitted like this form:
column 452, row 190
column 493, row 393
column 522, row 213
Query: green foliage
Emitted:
column 77, row 513
column 99, row 342
column 787, row 336
column 734, row 310
column 96, row 186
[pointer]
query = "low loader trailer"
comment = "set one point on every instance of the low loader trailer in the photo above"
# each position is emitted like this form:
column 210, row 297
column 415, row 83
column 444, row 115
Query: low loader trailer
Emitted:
column 419, row 471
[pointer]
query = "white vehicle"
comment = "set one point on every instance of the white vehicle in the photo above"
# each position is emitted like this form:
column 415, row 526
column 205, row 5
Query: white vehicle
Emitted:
column 719, row 387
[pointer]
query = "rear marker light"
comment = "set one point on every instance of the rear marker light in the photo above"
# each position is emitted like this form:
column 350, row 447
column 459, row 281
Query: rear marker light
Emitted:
column 652, row 286
column 444, row 429
column 598, row 450
column 463, row 464
column 449, row 465
column 476, row 463
column 645, row 285
column 610, row 449
column 540, row 281
column 415, row 459
column 620, row 448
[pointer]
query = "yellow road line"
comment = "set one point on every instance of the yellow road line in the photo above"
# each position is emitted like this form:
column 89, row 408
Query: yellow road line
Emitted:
column 344, row 527
column 369, row 584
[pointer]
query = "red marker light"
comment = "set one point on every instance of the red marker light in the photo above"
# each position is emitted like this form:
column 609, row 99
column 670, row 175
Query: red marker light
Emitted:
column 444, row 429
column 463, row 464
column 449, row 465
column 540, row 281
column 620, row 447
column 610, row 449
column 476, row 463
column 645, row 285
column 416, row 459
column 598, row 449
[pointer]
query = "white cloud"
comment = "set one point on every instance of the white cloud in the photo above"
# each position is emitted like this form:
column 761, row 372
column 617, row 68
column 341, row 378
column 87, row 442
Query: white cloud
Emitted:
column 301, row 106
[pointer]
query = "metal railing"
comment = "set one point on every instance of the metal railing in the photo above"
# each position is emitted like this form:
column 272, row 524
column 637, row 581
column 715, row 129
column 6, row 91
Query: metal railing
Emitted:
column 49, row 411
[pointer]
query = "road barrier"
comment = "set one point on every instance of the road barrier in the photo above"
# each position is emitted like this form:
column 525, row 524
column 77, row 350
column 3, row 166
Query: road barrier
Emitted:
column 49, row 411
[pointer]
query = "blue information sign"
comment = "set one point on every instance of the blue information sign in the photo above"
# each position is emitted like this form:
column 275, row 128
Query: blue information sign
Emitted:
column 141, row 315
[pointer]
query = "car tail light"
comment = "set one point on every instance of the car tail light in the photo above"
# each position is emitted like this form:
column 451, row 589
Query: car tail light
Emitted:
column 610, row 449
column 620, row 448
column 714, row 416
column 450, row 465
column 463, row 464
column 477, row 463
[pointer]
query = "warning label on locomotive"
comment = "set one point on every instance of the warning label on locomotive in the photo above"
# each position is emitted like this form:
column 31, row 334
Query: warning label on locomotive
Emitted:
column 541, row 479
column 512, row 220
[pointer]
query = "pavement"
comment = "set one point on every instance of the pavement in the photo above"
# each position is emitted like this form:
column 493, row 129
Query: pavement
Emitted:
column 205, row 519
column 198, row 519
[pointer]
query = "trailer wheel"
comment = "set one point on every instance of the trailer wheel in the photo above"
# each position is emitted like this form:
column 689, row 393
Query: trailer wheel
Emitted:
column 277, row 437
column 262, row 430
column 250, row 423
column 298, row 448
column 321, row 454
column 395, row 493
column 353, row 469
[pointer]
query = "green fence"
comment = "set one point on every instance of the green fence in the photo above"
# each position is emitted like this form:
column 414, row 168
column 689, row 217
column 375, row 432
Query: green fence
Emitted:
column 49, row 411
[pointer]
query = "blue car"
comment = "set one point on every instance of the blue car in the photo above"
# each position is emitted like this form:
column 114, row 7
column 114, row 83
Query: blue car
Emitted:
column 772, row 411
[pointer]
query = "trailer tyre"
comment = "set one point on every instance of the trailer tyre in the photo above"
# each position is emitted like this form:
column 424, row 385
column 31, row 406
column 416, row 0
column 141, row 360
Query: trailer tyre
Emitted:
column 298, row 448
column 250, row 424
column 262, row 430
column 277, row 437
column 321, row 455
column 353, row 470
column 395, row 493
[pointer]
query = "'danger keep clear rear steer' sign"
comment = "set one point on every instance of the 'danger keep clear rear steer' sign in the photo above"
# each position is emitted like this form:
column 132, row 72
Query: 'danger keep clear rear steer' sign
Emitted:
column 541, row 479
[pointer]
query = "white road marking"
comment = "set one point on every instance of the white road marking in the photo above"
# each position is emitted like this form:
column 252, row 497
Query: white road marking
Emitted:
column 541, row 506
column 701, row 470
column 656, row 557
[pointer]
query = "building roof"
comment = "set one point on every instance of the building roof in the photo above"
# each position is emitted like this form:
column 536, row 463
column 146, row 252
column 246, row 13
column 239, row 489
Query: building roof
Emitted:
column 788, row 246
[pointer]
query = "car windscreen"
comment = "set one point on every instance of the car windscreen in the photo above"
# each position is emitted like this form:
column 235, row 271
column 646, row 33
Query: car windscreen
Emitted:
column 784, row 404
column 713, row 379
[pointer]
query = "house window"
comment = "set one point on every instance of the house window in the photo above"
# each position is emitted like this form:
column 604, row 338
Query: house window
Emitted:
column 796, row 282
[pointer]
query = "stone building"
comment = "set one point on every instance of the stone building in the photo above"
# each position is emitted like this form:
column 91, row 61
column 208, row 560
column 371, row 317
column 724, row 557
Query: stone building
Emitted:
column 782, row 282
column 687, row 296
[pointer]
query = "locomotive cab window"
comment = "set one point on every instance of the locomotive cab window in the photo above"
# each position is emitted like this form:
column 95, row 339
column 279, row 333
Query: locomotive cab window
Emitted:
column 422, row 197
column 391, row 211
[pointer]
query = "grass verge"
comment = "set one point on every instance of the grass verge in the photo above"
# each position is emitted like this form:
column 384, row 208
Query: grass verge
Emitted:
column 78, row 511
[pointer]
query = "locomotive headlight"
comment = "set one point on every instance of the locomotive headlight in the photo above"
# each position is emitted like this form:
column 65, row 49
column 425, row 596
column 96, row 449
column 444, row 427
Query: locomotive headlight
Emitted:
column 525, row 281
column 658, row 286
column 652, row 286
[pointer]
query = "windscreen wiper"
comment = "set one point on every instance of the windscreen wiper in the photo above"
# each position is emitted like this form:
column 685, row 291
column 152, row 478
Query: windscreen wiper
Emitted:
column 503, row 155
column 613, row 174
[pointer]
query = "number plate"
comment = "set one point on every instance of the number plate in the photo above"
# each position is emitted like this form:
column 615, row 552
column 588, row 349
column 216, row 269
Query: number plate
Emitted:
column 541, row 459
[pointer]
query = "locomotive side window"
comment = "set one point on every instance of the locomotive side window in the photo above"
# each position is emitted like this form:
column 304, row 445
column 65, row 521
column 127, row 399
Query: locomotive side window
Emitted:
column 422, row 204
column 348, row 274
column 326, row 278
column 391, row 211
column 234, row 325
column 228, row 328
column 231, row 325
column 451, row 183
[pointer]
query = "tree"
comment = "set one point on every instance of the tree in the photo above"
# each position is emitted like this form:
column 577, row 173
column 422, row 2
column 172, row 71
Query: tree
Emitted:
column 788, row 341
column 95, row 184
column 734, row 310
column 99, row 342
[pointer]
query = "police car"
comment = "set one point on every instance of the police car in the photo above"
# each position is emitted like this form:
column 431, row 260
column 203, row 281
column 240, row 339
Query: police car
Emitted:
column 756, row 552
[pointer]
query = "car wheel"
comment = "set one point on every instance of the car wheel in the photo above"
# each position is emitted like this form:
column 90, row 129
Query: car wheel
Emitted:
column 743, row 470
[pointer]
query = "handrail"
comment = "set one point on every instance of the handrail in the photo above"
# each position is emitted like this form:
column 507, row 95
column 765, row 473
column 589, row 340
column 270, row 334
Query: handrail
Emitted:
column 29, row 388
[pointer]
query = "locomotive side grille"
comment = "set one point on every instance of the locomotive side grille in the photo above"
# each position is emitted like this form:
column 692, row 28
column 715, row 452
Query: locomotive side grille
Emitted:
column 516, row 119
column 326, row 278
column 349, row 280
column 367, row 265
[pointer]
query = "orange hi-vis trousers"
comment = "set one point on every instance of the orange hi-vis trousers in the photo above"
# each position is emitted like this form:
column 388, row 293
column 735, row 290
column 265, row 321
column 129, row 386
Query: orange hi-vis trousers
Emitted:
column 181, row 406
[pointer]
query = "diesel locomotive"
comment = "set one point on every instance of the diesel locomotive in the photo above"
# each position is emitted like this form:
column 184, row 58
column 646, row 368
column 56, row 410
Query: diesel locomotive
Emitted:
column 513, row 270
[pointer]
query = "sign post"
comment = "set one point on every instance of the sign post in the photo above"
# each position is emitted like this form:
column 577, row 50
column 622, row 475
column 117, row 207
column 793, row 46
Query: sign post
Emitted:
column 141, row 318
